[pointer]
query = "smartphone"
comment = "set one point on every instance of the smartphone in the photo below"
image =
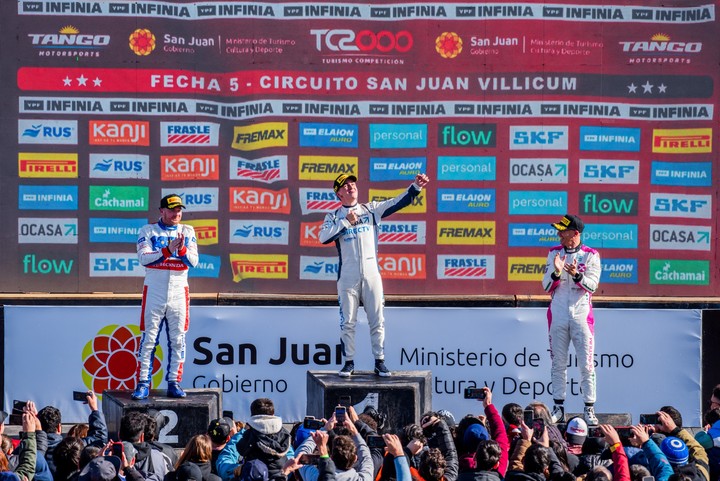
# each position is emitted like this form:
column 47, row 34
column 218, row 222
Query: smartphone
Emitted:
column 538, row 425
column 623, row 431
column 374, row 441
column 19, row 406
column 595, row 433
column 345, row 401
column 474, row 393
column 528, row 416
column 80, row 396
column 309, row 458
column 340, row 414
column 648, row 478
column 312, row 423
column 117, row 450
column 649, row 419
column 228, row 414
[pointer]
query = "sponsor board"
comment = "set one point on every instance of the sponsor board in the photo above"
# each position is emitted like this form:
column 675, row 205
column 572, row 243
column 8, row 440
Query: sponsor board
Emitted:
column 537, row 202
column 538, row 171
column 189, row 167
column 680, row 205
column 418, row 205
column 197, row 199
column 318, row 200
column 47, row 165
column 114, row 229
column 255, row 199
column 538, row 137
column 47, row 197
column 195, row 134
column 465, row 267
column 682, row 141
column 396, row 168
column 611, row 236
column 467, row 135
column 264, row 169
column 526, row 268
column 402, row 266
column 689, row 174
column 119, row 166
column 680, row 237
column 679, row 272
column 466, row 200
column 399, row 232
column 328, row 135
column 455, row 167
column 532, row 235
column 310, row 235
column 260, row 136
column 207, row 266
column 398, row 136
column 619, row 271
column 111, row 264
column 363, row 42
column 119, row 198
column 610, row 139
column 450, row 232
column 206, row 231
column 313, row 268
column 119, row 132
column 608, row 203
column 259, row 266
column 596, row 171
column 33, row 264
column 43, row 230
column 325, row 167
column 259, row 232
column 47, row 132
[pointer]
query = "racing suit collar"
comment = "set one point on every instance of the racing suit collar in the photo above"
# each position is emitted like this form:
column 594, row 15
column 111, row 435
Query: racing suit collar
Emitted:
column 573, row 250
column 350, row 206
column 165, row 226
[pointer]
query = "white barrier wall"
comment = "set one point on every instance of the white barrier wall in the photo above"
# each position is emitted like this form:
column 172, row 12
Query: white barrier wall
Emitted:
column 645, row 358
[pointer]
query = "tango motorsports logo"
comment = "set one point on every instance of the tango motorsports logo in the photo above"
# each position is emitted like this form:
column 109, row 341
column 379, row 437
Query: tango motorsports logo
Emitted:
column 448, row 45
column 109, row 359
column 142, row 42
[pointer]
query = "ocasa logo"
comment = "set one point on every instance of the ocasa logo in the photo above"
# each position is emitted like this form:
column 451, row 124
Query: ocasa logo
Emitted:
column 680, row 237
column 254, row 199
column 366, row 41
column 119, row 132
column 539, row 171
column 189, row 167
column 34, row 265
column 47, row 230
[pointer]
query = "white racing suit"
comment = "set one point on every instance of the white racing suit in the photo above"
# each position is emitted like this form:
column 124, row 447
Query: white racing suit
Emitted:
column 570, row 317
column 359, row 275
column 166, row 297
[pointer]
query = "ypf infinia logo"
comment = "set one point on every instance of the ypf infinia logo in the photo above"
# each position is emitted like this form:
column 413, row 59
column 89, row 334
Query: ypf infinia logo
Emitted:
column 363, row 42
column 448, row 44
column 142, row 42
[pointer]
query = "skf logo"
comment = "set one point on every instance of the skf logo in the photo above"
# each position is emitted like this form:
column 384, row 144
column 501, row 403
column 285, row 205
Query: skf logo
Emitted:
column 68, row 38
column 318, row 167
column 259, row 266
column 142, row 42
column 119, row 132
column 310, row 234
column 660, row 43
column 448, row 45
column 107, row 264
column 544, row 137
column 319, row 268
column 609, row 171
column 259, row 232
column 265, row 169
column 119, row 166
column 466, row 267
column 47, row 231
column 465, row 232
column 408, row 233
column 402, row 266
column 682, row 141
column 680, row 237
column 47, row 132
column 254, row 199
column 526, row 268
column 418, row 205
column 318, row 200
column 189, row 167
column 681, row 205
column 64, row 166
column 467, row 135
column 206, row 230
column 365, row 41
column 197, row 134
column 260, row 136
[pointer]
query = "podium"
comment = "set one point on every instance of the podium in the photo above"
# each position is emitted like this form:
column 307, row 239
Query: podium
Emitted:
column 185, row 417
column 403, row 397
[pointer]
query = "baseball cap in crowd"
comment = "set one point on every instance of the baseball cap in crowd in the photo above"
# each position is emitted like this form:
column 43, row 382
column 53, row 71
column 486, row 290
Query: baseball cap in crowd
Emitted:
column 341, row 179
column 171, row 201
column 576, row 431
column 474, row 434
column 569, row 222
column 675, row 450
column 188, row 472
column 219, row 430
column 101, row 468
column 129, row 450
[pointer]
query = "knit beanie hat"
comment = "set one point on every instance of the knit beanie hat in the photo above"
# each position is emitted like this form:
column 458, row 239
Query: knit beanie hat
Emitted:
column 675, row 450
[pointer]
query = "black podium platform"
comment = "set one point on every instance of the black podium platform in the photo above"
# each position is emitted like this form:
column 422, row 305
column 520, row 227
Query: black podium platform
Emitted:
column 185, row 417
column 403, row 397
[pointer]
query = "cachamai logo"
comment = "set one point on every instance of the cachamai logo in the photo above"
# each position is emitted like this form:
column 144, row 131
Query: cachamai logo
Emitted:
column 68, row 42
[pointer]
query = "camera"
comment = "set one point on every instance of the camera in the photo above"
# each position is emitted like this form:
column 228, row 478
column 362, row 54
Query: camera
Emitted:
column 312, row 423
column 649, row 419
column 474, row 393
column 117, row 450
column 374, row 441
column 80, row 396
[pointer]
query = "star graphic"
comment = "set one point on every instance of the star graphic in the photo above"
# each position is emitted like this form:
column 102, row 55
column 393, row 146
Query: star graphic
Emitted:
column 632, row 88
column 97, row 82
column 67, row 82
column 662, row 88
column 647, row 87
column 82, row 80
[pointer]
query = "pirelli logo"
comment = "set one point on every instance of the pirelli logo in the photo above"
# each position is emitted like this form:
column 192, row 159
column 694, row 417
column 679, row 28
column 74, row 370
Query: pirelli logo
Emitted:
column 47, row 165
column 451, row 232
column 260, row 136
column 682, row 141
column 418, row 205
column 259, row 266
column 320, row 167
column 206, row 231
column 526, row 268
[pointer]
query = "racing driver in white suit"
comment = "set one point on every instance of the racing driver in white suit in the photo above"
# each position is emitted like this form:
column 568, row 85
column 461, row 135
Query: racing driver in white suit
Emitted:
column 571, row 278
column 167, row 249
column 354, row 229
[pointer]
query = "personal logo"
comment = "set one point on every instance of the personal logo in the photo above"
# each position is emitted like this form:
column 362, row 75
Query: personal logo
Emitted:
column 48, row 132
column 448, row 44
column 464, row 168
column 119, row 198
column 109, row 359
column 259, row 266
column 142, row 42
column 466, row 267
column 534, row 202
column 264, row 169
